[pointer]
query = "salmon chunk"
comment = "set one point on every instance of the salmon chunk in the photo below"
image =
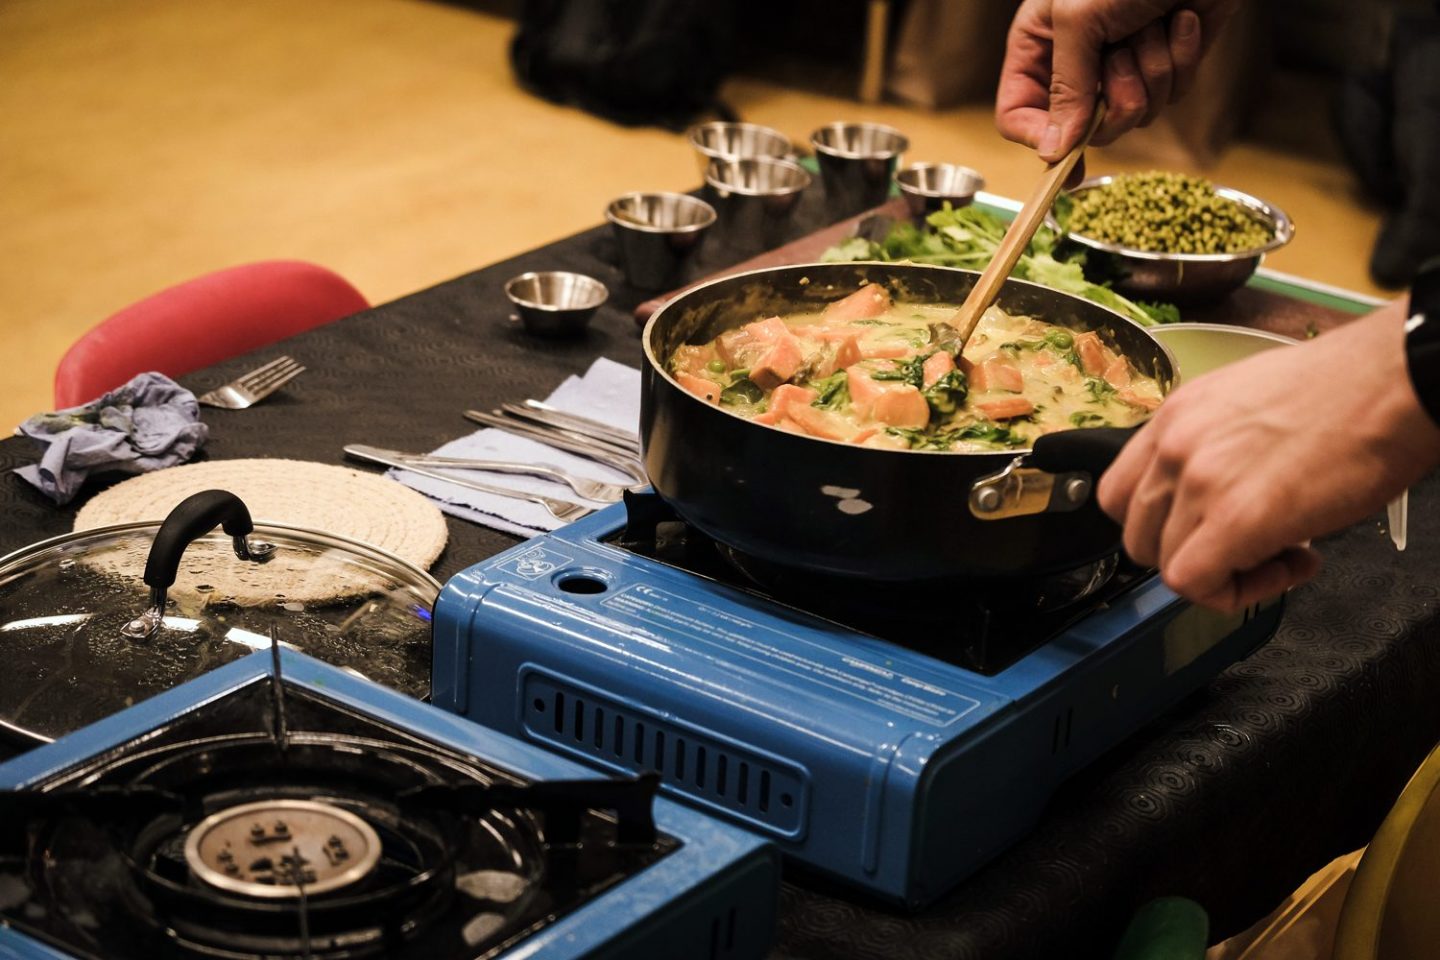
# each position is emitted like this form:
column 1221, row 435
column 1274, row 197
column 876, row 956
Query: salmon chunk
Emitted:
column 707, row 390
column 936, row 366
column 869, row 301
column 847, row 354
column 693, row 358
column 785, row 396
column 824, row 356
column 892, row 402
column 1118, row 373
column 790, row 426
column 778, row 364
column 997, row 373
column 833, row 334
column 864, row 390
column 822, row 423
column 1095, row 357
column 1138, row 400
column 902, row 406
column 1005, row 408
column 874, row 348
column 766, row 348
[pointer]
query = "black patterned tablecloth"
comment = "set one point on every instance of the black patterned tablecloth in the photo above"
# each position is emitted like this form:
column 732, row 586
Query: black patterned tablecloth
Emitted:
column 1288, row 759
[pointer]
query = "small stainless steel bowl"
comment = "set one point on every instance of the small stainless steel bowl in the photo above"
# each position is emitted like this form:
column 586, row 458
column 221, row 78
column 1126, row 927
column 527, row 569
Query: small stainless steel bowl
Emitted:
column 657, row 233
column 929, row 186
column 1190, row 277
column 859, row 141
column 754, row 198
column 736, row 141
column 857, row 162
column 556, row 303
column 777, row 183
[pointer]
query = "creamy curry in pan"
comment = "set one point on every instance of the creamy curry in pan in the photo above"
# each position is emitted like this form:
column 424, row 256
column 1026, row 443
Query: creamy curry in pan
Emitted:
column 872, row 372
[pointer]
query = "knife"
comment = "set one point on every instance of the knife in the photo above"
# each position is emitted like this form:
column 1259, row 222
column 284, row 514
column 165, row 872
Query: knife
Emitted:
column 597, row 490
column 562, row 510
column 1397, row 515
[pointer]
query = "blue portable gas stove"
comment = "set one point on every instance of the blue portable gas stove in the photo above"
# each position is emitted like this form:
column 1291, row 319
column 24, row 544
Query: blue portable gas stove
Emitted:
column 895, row 741
column 318, row 815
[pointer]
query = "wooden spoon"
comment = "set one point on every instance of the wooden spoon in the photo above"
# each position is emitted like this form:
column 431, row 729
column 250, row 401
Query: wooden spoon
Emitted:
column 1022, row 228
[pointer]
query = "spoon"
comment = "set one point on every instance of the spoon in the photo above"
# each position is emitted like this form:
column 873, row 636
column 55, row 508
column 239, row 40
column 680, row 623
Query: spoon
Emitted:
column 1022, row 228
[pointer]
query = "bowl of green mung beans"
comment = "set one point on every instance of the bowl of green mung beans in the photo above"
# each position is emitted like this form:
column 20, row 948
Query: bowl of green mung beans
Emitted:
column 1171, row 236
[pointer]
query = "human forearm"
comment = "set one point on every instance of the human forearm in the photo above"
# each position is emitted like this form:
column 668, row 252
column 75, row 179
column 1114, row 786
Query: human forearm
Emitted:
column 1241, row 465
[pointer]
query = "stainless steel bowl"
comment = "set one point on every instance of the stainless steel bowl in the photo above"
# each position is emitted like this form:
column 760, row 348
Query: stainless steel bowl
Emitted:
column 754, row 198
column 1201, row 347
column 776, row 183
column 556, row 303
column 736, row 141
column 929, row 186
column 1189, row 277
column 657, row 233
column 857, row 162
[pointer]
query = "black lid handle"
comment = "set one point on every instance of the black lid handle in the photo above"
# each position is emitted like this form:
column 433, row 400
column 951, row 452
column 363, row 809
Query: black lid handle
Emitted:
column 194, row 517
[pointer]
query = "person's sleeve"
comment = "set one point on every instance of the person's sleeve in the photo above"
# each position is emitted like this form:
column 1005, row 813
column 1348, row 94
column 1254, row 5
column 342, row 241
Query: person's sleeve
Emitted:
column 1422, row 338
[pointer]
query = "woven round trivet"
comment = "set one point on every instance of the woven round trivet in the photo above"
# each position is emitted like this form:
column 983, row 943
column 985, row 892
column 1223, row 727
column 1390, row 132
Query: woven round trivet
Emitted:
column 318, row 496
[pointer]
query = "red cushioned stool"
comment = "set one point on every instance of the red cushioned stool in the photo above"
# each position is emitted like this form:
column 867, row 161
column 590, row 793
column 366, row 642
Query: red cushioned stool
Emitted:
column 203, row 321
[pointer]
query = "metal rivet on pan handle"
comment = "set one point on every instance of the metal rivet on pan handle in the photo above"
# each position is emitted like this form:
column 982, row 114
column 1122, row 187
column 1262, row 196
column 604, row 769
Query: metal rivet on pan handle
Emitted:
column 1077, row 490
column 987, row 499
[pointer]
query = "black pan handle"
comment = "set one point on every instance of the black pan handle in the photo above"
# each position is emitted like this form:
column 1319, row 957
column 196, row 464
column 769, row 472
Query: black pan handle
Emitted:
column 194, row 517
column 1091, row 449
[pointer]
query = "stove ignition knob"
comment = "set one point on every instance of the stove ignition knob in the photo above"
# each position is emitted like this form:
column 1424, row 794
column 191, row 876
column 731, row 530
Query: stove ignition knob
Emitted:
column 225, row 856
column 257, row 831
column 281, row 829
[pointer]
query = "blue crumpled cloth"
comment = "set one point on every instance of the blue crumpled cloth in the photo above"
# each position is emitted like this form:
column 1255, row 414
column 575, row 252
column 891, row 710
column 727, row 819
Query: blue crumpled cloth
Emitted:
column 149, row 423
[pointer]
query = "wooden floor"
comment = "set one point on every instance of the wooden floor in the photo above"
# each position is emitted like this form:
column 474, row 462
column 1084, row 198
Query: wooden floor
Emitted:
column 149, row 141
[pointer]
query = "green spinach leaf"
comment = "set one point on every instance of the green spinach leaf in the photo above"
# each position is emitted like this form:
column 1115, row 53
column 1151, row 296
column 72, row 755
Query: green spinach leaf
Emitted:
column 834, row 391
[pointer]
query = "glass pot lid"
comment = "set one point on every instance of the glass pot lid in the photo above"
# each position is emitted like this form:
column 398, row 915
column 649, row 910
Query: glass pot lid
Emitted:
column 95, row 621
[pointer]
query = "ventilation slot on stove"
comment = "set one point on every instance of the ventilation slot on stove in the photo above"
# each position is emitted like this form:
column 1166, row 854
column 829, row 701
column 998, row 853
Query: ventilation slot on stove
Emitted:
column 722, row 935
column 1060, row 733
column 721, row 775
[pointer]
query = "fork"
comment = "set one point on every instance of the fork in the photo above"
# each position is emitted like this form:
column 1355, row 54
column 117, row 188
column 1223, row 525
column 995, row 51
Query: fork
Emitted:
column 589, row 489
column 562, row 510
column 254, row 386
column 627, row 464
